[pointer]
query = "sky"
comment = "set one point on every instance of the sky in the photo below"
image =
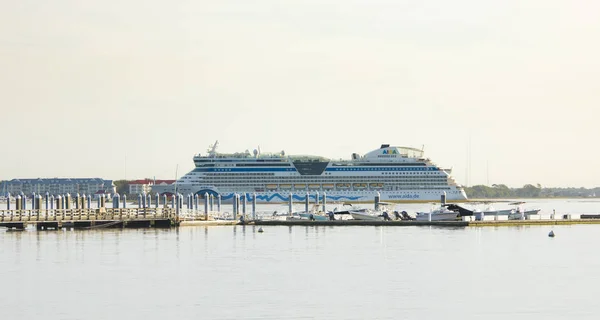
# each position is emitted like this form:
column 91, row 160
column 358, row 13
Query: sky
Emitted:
column 501, row 92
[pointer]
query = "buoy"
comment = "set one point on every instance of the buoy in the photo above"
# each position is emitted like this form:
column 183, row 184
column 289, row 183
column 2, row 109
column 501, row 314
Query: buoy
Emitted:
column 260, row 230
column 551, row 234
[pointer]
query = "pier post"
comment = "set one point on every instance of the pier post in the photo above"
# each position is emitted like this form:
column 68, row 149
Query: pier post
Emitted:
column 377, row 200
column 165, row 204
column 196, row 201
column 211, row 201
column 206, row 206
column 77, row 201
column 324, row 201
column 115, row 200
column 63, row 204
column 180, row 203
column 218, row 203
column 244, row 201
column 18, row 203
column 157, row 200
column 38, row 203
column 51, row 202
column 140, row 201
column 124, row 202
column 47, row 200
column 235, row 203
column 33, row 196
column 176, row 202
column 254, row 206
column 59, row 202
column 306, row 203
column 84, row 201
column 429, row 216
column 98, row 201
column 291, row 203
column 8, row 201
column 173, row 201
column 443, row 198
column 24, row 202
column 317, row 200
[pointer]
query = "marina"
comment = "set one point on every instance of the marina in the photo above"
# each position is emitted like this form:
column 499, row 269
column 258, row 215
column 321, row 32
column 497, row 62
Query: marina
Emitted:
column 53, row 213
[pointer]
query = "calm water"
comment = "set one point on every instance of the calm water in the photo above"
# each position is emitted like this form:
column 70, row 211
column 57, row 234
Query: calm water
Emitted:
column 302, row 273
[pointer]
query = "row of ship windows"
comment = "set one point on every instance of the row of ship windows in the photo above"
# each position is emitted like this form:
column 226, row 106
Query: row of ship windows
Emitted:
column 233, row 174
column 303, row 188
column 323, row 181
column 237, row 189
column 325, row 178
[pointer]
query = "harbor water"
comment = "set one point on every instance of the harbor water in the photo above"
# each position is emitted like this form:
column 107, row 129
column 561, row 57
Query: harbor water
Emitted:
column 304, row 272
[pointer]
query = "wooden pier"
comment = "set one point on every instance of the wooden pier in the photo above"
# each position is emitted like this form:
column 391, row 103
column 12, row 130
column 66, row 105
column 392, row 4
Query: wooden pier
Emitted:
column 47, row 219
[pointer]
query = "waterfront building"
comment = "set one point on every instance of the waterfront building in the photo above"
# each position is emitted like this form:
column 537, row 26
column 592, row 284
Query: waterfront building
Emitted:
column 56, row 186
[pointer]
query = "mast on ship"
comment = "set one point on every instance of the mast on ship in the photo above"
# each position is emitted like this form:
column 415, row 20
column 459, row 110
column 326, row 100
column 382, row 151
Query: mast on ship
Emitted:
column 212, row 149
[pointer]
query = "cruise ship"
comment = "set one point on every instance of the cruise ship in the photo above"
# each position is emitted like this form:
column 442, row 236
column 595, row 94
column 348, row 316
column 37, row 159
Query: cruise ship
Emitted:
column 397, row 174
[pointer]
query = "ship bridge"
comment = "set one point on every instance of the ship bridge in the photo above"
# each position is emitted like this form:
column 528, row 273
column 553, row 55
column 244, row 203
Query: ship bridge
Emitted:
column 392, row 153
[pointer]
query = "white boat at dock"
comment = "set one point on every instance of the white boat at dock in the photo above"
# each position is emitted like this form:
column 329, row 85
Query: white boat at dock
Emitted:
column 441, row 213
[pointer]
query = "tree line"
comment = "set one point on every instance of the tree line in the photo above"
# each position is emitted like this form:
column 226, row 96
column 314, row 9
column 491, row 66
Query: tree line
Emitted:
column 529, row 191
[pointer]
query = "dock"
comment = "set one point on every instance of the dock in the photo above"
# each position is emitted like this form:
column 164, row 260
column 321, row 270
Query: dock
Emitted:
column 54, row 219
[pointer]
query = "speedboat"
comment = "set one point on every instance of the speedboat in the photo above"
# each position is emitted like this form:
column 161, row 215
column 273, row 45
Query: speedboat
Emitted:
column 439, row 214
column 366, row 214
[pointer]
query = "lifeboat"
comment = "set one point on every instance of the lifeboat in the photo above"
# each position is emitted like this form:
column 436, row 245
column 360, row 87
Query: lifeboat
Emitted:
column 271, row 186
column 314, row 186
column 376, row 185
column 360, row 185
column 299, row 186
column 343, row 185
column 328, row 186
column 285, row 186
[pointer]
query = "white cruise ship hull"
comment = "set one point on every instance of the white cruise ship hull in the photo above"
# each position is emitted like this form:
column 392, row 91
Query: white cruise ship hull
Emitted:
column 332, row 195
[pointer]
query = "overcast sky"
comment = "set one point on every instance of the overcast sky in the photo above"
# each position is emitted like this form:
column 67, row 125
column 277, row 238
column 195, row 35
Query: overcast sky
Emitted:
column 134, row 88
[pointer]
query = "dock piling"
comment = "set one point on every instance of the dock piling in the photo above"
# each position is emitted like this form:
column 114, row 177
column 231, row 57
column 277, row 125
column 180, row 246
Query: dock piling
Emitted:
column 18, row 203
column 218, row 203
column 235, row 203
column 244, row 201
column 206, row 206
column 254, row 206
column 324, row 201
column 115, row 200
column 291, row 203
column 306, row 203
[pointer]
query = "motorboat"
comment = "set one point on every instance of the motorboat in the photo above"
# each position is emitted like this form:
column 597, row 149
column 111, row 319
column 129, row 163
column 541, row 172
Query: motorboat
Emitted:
column 366, row 214
column 440, row 214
